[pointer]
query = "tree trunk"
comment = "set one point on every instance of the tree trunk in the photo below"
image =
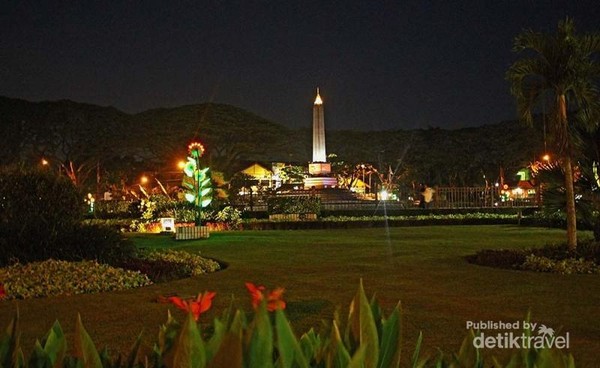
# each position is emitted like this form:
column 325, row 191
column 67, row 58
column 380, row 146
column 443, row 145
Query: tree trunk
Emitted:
column 568, row 168
column 570, row 197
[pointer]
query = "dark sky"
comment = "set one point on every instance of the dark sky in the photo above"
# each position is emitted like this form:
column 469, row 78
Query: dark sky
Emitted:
column 379, row 64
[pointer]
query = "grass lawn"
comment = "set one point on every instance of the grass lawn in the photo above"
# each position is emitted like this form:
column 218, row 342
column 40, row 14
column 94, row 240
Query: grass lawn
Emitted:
column 423, row 267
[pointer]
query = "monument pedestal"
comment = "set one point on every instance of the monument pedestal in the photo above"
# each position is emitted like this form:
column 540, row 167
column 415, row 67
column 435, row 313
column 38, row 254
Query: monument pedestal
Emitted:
column 319, row 182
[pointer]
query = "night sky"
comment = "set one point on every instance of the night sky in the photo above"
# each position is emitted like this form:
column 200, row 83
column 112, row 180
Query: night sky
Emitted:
column 379, row 64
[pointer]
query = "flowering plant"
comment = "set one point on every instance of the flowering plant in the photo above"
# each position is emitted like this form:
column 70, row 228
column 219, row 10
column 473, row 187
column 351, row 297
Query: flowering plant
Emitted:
column 196, row 307
column 273, row 299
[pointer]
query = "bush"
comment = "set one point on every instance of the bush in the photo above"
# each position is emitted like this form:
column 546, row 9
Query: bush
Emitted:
column 161, row 266
column 565, row 266
column 551, row 258
column 294, row 204
column 36, row 210
column 499, row 258
column 116, row 209
column 52, row 277
column 230, row 216
column 96, row 242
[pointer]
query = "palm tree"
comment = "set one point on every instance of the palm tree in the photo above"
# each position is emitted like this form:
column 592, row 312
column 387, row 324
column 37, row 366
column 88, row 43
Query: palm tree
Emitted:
column 560, row 69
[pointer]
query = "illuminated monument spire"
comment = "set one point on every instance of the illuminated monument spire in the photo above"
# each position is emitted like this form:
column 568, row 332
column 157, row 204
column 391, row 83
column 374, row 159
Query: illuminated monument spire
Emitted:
column 319, row 154
column 319, row 168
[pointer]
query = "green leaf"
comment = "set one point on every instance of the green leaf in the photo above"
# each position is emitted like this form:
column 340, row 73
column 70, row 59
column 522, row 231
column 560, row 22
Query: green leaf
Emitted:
column 261, row 339
column 389, row 355
column 337, row 355
column 363, row 328
column 468, row 355
column 310, row 343
column 9, row 343
column 415, row 358
column 227, row 347
column 132, row 357
column 189, row 347
column 39, row 358
column 206, row 202
column 84, row 347
column 56, row 345
column 287, row 344
column 359, row 358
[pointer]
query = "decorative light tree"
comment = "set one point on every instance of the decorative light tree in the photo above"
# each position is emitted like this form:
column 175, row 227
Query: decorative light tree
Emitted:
column 196, row 180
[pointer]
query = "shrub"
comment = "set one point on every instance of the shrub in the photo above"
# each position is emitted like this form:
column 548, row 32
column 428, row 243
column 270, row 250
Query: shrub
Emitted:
column 189, row 264
column 231, row 216
column 551, row 258
column 52, row 277
column 97, row 242
column 499, row 258
column 294, row 204
column 565, row 266
column 161, row 266
column 116, row 209
column 36, row 210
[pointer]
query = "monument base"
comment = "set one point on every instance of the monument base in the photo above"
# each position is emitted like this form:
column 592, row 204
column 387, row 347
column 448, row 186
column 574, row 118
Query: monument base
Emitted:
column 319, row 168
column 319, row 182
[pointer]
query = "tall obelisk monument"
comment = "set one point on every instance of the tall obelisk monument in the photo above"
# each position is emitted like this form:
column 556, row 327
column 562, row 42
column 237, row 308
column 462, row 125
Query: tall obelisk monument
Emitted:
column 319, row 169
column 319, row 154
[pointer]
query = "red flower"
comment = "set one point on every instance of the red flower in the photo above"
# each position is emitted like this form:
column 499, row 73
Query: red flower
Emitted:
column 273, row 301
column 2, row 292
column 202, row 303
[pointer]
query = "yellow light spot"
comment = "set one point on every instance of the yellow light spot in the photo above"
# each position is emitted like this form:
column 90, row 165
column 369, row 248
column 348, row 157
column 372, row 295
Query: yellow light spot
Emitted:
column 181, row 164
column 144, row 179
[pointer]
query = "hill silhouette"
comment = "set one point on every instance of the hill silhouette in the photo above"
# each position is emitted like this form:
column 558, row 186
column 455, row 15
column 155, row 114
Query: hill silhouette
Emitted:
column 91, row 136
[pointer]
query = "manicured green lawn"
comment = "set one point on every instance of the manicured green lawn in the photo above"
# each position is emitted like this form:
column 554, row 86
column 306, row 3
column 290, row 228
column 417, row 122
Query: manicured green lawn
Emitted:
column 423, row 267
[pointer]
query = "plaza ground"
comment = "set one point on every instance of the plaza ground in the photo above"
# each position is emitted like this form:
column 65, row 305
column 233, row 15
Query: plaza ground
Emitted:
column 423, row 267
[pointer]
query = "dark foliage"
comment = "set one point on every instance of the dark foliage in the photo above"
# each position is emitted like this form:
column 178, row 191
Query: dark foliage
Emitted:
column 37, row 210
column 156, row 270
column 514, row 258
column 97, row 242
column 40, row 218
column 117, row 209
column 294, row 204
column 499, row 258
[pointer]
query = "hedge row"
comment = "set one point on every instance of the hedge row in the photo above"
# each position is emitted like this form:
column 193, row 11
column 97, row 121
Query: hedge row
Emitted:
column 310, row 225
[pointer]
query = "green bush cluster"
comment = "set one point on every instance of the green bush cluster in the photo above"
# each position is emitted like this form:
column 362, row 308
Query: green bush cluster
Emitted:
column 167, row 265
column 52, row 277
column 37, row 209
column 565, row 266
column 188, row 263
column 116, row 209
column 231, row 216
column 41, row 217
column 162, row 266
column 294, row 204
column 551, row 258
column 96, row 242
column 366, row 338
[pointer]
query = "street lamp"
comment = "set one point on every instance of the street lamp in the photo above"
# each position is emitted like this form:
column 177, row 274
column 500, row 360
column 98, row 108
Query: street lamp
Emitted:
column 144, row 180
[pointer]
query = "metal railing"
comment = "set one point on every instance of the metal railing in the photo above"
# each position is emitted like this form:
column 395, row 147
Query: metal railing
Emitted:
column 443, row 198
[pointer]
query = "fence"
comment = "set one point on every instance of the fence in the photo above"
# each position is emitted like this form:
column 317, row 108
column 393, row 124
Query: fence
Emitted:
column 444, row 198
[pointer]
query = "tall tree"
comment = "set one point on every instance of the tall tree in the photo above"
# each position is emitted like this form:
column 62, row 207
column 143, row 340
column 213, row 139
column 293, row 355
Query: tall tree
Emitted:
column 559, row 69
